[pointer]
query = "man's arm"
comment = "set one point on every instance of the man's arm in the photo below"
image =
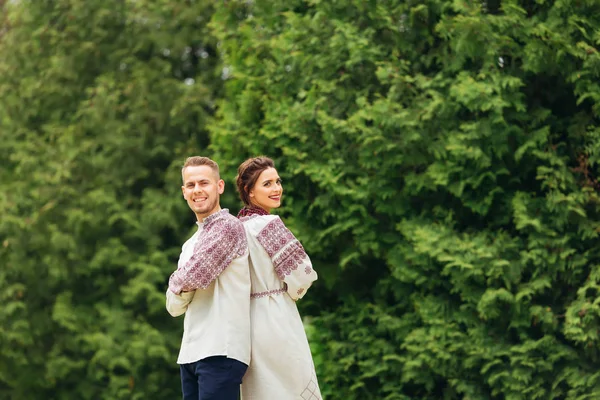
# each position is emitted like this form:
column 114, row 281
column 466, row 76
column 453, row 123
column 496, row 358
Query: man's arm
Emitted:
column 213, row 252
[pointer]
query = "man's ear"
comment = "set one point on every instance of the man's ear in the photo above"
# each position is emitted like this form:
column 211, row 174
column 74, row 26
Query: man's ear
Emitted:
column 183, row 191
column 221, row 186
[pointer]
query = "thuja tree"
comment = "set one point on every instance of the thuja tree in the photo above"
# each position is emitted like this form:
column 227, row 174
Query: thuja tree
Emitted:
column 440, row 163
column 100, row 101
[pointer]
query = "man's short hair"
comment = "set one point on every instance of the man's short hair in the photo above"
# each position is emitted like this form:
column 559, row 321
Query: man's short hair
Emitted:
column 197, row 161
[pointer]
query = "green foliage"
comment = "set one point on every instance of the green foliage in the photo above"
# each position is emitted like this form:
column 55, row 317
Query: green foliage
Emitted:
column 440, row 162
column 101, row 100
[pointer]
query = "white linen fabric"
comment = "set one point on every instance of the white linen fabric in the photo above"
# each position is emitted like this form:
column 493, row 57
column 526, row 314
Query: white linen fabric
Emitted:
column 281, row 365
column 212, row 287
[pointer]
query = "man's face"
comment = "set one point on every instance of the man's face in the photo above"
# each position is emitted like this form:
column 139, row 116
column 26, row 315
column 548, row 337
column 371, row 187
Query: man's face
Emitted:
column 201, row 189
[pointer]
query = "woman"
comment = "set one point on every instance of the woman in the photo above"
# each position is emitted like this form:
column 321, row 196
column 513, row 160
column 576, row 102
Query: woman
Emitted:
column 281, row 365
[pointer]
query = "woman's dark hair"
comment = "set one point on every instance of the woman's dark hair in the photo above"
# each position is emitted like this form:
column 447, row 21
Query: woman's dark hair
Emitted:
column 248, row 173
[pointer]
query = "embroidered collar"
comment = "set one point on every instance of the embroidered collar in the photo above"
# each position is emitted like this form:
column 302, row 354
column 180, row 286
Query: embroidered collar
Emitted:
column 213, row 217
column 248, row 211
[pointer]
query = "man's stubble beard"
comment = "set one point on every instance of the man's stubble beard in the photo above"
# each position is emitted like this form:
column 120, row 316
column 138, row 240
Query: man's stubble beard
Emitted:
column 204, row 212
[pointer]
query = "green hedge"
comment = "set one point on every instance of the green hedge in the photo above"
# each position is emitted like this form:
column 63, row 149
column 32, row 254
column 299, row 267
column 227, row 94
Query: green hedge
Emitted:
column 100, row 103
column 440, row 160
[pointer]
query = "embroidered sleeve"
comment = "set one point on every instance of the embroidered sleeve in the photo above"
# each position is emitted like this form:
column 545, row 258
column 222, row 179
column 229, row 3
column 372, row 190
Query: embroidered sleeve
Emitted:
column 291, row 263
column 214, row 250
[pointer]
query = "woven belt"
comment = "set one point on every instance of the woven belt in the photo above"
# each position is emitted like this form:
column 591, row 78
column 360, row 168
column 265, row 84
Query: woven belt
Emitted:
column 267, row 293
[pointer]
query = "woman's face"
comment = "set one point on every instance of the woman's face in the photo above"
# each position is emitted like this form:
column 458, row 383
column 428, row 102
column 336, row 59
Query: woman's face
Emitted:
column 267, row 190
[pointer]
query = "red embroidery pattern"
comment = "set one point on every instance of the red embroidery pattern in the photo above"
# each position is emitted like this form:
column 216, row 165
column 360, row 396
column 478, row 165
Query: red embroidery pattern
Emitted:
column 222, row 239
column 311, row 392
column 300, row 291
column 275, row 237
column 289, row 259
column 248, row 211
column 267, row 293
column 244, row 219
column 308, row 270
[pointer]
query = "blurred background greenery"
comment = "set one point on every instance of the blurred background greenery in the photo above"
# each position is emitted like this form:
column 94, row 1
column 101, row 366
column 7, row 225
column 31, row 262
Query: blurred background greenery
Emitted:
column 440, row 161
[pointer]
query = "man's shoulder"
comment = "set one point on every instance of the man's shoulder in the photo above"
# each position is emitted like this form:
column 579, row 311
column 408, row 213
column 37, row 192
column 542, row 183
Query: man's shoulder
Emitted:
column 229, row 221
column 226, row 216
column 228, row 226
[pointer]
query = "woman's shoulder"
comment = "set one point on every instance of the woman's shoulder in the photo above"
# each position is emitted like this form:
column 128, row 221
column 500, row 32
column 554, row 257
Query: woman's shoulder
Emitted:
column 255, row 223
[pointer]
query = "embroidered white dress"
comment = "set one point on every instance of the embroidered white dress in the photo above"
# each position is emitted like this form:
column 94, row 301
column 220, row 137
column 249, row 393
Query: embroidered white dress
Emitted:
column 281, row 365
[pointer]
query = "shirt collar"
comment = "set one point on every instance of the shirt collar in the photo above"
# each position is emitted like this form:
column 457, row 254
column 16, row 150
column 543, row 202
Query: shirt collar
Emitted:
column 213, row 217
column 248, row 211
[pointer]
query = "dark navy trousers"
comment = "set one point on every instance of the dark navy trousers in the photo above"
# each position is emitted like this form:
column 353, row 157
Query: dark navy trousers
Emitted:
column 212, row 378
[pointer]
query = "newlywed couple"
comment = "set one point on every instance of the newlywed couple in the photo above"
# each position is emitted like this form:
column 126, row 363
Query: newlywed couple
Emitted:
column 237, row 281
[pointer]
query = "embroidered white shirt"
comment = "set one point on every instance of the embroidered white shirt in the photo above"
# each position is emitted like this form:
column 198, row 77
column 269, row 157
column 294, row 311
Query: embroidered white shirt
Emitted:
column 212, row 287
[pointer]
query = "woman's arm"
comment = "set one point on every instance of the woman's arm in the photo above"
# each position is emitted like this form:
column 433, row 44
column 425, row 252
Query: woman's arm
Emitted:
column 291, row 263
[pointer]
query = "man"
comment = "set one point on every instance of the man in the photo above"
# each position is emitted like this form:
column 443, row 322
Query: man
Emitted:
column 212, row 287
